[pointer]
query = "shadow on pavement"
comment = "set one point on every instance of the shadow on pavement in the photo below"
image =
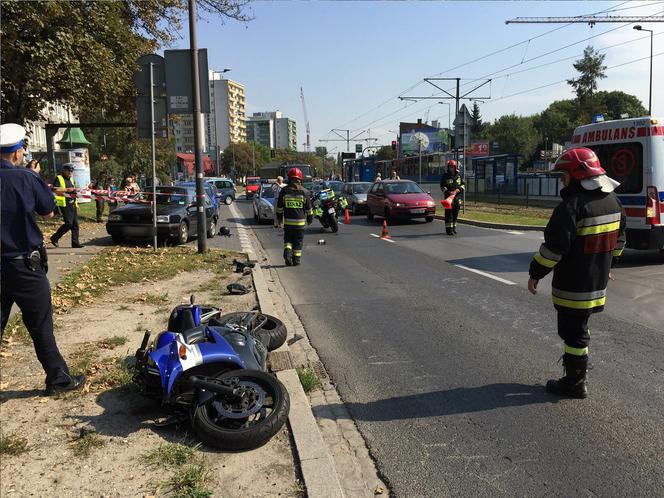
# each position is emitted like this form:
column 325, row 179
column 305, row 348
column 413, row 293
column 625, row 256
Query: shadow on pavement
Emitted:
column 6, row 395
column 501, row 263
column 450, row 402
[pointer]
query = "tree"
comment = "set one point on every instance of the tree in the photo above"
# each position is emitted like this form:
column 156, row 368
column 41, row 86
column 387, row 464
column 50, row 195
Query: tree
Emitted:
column 83, row 54
column 591, row 66
column 385, row 153
column 321, row 152
column 614, row 104
column 515, row 134
column 477, row 127
column 242, row 156
column 557, row 122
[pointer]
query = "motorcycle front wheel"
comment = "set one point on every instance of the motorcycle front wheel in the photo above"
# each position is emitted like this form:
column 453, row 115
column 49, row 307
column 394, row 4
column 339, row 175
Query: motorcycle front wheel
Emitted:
column 245, row 421
column 334, row 224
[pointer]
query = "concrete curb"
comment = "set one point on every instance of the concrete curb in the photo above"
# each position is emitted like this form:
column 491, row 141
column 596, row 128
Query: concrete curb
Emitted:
column 498, row 226
column 316, row 463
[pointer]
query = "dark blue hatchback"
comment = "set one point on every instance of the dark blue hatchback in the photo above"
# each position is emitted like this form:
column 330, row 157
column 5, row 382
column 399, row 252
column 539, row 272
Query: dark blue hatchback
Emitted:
column 209, row 190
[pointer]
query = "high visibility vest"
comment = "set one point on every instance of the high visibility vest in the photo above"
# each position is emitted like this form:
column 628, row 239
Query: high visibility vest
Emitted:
column 61, row 200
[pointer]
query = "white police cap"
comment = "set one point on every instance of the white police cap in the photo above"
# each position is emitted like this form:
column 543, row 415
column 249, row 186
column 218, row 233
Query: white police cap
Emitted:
column 11, row 137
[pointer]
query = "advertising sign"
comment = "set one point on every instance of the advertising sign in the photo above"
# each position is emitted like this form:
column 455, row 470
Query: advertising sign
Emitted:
column 478, row 149
column 80, row 160
column 437, row 142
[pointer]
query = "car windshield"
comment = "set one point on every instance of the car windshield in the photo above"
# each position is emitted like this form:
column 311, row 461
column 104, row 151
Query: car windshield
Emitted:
column 361, row 188
column 403, row 188
column 267, row 192
column 336, row 186
column 179, row 196
column 253, row 181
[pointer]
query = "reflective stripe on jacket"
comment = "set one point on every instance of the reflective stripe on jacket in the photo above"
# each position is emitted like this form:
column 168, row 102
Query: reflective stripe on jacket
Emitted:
column 294, row 205
column 450, row 182
column 584, row 233
column 61, row 200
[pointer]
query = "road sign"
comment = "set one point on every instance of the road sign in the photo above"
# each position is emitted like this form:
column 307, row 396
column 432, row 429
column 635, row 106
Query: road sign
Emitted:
column 358, row 148
column 142, row 83
column 178, row 81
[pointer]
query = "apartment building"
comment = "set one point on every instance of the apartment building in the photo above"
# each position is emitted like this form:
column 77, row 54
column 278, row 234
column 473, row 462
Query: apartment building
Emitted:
column 226, row 121
column 272, row 129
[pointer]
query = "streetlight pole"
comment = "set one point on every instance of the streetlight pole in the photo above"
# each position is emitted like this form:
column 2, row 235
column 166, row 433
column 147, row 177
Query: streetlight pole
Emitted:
column 640, row 28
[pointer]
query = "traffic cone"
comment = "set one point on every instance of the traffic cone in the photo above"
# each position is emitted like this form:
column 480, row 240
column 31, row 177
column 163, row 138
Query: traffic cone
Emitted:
column 385, row 234
column 347, row 218
column 447, row 203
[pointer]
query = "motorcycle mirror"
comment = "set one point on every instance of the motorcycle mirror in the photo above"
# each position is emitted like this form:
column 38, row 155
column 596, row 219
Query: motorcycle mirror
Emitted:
column 192, row 299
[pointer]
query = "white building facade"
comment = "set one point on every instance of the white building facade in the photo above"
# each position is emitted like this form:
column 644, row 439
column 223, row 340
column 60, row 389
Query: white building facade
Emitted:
column 272, row 130
column 226, row 121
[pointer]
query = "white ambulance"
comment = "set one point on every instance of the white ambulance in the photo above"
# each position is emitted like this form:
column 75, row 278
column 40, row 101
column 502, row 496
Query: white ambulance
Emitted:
column 632, row 152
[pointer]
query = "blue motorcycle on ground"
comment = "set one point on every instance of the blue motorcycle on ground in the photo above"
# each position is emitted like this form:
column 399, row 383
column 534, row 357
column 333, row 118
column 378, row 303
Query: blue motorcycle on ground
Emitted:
column 212, row 370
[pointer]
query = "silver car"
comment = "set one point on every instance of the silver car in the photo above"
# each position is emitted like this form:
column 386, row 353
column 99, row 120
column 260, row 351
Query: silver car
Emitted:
column 356, row 195
column 264, row 203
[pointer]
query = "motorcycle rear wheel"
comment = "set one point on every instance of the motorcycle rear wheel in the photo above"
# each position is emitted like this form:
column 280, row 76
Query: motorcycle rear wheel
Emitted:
column 334, row 224
column 275, row 328
column 220, row 421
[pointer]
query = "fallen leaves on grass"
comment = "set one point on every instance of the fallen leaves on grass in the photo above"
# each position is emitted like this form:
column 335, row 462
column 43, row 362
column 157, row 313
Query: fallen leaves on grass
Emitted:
column 13, row 445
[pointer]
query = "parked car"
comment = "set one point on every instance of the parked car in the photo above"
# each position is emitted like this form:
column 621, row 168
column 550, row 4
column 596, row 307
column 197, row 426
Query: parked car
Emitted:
column 264, row 203
column 176, row 216
column 356, row 195
column 225, row 189
column 210, row 190
column 400, row 199
column 252, row 186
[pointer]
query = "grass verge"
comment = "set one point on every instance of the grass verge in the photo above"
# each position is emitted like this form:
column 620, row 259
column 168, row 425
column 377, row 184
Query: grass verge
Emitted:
column 16, row 330
column 511, row 214
column 190, row 472
column 13, row 445
column 309, row 379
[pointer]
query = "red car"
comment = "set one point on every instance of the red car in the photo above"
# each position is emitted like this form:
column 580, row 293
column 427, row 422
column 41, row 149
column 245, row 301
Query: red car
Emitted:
column 399, row 199
column 253, row 184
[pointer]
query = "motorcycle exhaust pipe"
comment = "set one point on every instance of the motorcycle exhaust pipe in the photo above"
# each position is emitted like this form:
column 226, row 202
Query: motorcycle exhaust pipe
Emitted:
column 212, row 386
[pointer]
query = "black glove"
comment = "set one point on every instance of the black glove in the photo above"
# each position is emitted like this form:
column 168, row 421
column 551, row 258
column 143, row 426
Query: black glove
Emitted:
column 310, row 219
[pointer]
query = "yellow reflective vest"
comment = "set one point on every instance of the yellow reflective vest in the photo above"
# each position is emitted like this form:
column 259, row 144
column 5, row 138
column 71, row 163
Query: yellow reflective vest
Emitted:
column 61, row 200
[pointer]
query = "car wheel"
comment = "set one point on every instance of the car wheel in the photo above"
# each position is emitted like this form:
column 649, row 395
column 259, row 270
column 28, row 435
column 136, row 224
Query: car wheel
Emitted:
column 429, row 219
column 353, row 209
column 183, row 233
column 228, row 200
column 212, row 228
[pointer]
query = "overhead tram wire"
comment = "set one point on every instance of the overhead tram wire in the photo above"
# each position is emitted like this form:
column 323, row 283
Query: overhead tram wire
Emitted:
column 471, row 81
column 528, row 40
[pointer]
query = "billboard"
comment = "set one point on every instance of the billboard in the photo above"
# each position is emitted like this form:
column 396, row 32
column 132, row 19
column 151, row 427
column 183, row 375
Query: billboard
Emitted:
column 478, row 148
column 438, row 141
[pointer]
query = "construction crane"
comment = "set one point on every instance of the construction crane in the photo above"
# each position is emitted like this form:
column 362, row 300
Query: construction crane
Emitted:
column 307, row 144
column 591, row 20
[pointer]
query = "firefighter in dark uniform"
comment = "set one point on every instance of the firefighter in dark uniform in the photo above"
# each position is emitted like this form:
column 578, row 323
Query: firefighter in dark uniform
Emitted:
column 63, row 186
column 294, row 211
column 586, row 230
column 450, row 183
column 23, row 257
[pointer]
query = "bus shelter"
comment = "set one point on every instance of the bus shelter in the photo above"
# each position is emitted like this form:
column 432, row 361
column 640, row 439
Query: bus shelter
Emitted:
column 494, row 174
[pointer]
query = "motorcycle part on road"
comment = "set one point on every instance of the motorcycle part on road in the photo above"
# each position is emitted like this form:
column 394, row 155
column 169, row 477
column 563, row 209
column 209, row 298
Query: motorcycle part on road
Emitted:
column 237, row 289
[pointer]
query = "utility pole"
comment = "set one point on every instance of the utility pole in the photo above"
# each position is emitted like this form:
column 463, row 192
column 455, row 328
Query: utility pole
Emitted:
column 154, row 158
column 198, row 159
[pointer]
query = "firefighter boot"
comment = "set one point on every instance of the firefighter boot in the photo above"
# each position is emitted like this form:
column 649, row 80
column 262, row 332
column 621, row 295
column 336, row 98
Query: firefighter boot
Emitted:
column 288, row 256
column 296, row 257
column 573, row 384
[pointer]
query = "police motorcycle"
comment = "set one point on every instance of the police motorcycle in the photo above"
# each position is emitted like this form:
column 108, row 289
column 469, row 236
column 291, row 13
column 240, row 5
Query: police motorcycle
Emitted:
column 211, row 370
column 326, row 205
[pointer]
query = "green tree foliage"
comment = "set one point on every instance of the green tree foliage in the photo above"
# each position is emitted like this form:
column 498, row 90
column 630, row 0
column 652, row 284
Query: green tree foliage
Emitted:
column 614, row 104
column 241, row 156
column 385, row 153
column 321, row 152
column 477, row 127
column 83, row 53
column 591, row 66
column 287, row 155
column 557, row 122
column 515, row 134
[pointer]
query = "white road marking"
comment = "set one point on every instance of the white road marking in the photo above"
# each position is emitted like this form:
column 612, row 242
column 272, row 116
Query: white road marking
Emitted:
column 516, row 232
column 379, row 237
column 242, row 231
column 508, row 282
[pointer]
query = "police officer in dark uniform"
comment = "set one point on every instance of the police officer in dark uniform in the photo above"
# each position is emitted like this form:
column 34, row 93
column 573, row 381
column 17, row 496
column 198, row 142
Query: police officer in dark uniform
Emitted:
column 452, row 183
column 23, row 257
column 64, row 185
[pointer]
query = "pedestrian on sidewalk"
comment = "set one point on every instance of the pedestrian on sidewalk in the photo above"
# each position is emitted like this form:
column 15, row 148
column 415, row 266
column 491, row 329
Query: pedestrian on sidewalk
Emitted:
column 276, row 188
column 24, row 263
column 379, row 178
column 100, row 184
column 294, row 209
column 585, row 232
column 452, row 183
column 395, row 175
column 64, row 186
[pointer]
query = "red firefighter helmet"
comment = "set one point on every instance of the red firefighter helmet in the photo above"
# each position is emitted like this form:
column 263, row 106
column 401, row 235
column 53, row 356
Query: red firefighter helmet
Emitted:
column 295, row 173
column 453, row 164
column 580, row 163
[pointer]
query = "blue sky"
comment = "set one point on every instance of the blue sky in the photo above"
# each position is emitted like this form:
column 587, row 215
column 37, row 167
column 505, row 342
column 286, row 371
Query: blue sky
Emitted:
column 351, row 57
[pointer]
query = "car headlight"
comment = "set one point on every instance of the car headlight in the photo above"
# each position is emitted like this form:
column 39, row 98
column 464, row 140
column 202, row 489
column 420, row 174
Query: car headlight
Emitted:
column 163, row 219
column 431, row 204
column 399, row 204
column 114, row 217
